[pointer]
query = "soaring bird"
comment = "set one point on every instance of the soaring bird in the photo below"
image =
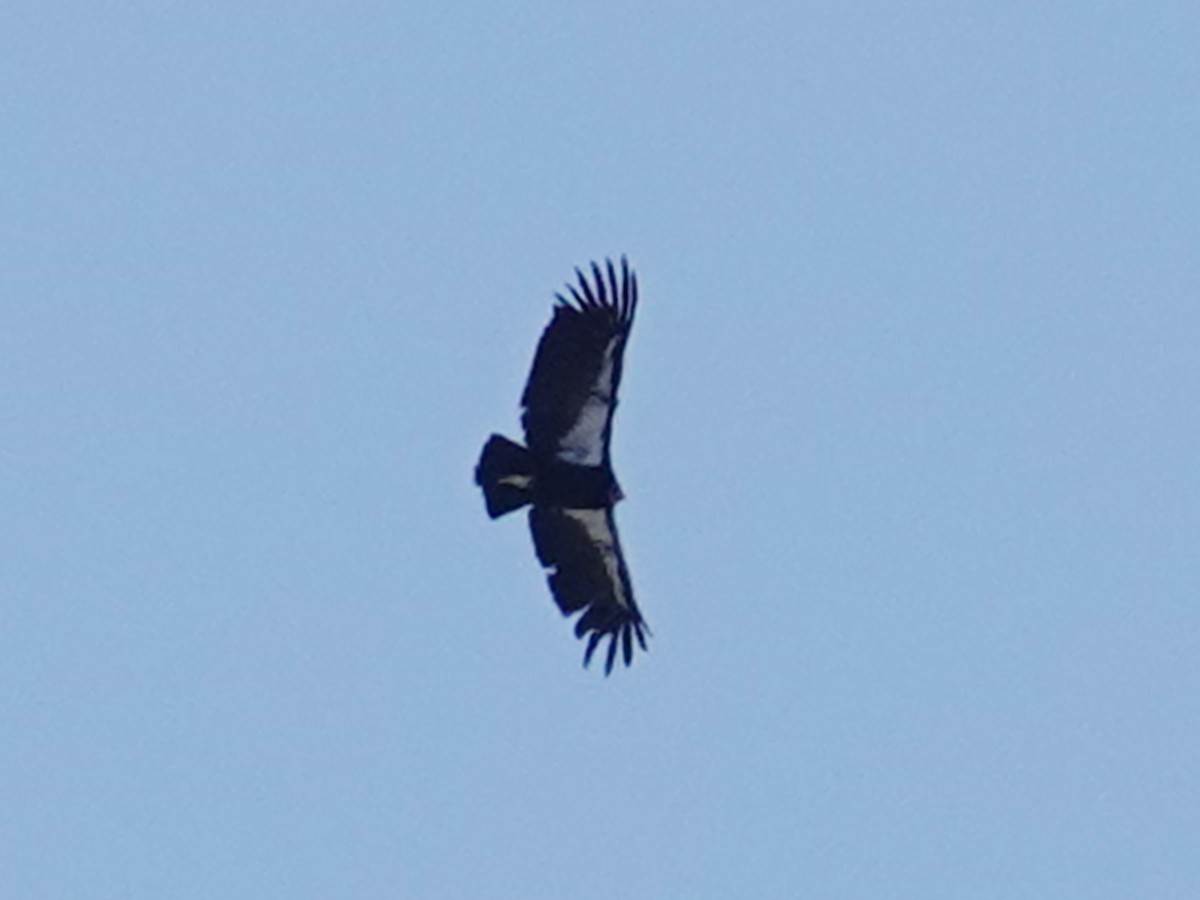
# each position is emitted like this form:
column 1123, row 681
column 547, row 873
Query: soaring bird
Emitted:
column 565, row 473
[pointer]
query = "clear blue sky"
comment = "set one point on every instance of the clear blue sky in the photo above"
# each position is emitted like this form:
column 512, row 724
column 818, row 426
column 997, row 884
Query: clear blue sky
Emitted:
column 909, row 436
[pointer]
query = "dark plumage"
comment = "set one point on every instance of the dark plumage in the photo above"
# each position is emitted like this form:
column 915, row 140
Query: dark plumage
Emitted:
column 565, row 473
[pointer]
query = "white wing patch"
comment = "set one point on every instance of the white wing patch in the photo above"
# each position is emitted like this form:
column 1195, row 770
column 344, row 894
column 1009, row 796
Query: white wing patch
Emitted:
column 595, row 523
column 583, row 445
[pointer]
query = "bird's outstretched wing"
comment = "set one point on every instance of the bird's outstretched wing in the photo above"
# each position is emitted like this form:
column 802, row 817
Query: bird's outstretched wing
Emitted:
column 588, row 576
column 571, row 394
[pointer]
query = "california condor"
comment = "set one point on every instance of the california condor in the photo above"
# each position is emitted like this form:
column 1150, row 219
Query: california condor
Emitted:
column 565, row 474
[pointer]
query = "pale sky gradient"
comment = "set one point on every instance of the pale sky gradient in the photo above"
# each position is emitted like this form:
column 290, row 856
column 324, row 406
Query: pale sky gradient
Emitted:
column 909, row 434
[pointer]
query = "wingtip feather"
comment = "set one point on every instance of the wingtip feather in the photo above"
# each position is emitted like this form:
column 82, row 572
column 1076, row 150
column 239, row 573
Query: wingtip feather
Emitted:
column 590, row 302
column 601, row 293
column 618, row 298
column 593, row 641
column 633, row 295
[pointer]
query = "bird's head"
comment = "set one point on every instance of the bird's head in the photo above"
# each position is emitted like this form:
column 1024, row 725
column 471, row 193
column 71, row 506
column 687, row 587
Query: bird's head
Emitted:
column 615, row 494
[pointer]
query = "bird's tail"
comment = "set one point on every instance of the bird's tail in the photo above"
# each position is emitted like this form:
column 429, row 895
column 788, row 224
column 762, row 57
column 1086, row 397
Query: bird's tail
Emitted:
column 505, row 472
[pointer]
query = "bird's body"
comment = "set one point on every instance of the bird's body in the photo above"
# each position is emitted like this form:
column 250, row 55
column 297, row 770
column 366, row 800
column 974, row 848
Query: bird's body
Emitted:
column 565, row 474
